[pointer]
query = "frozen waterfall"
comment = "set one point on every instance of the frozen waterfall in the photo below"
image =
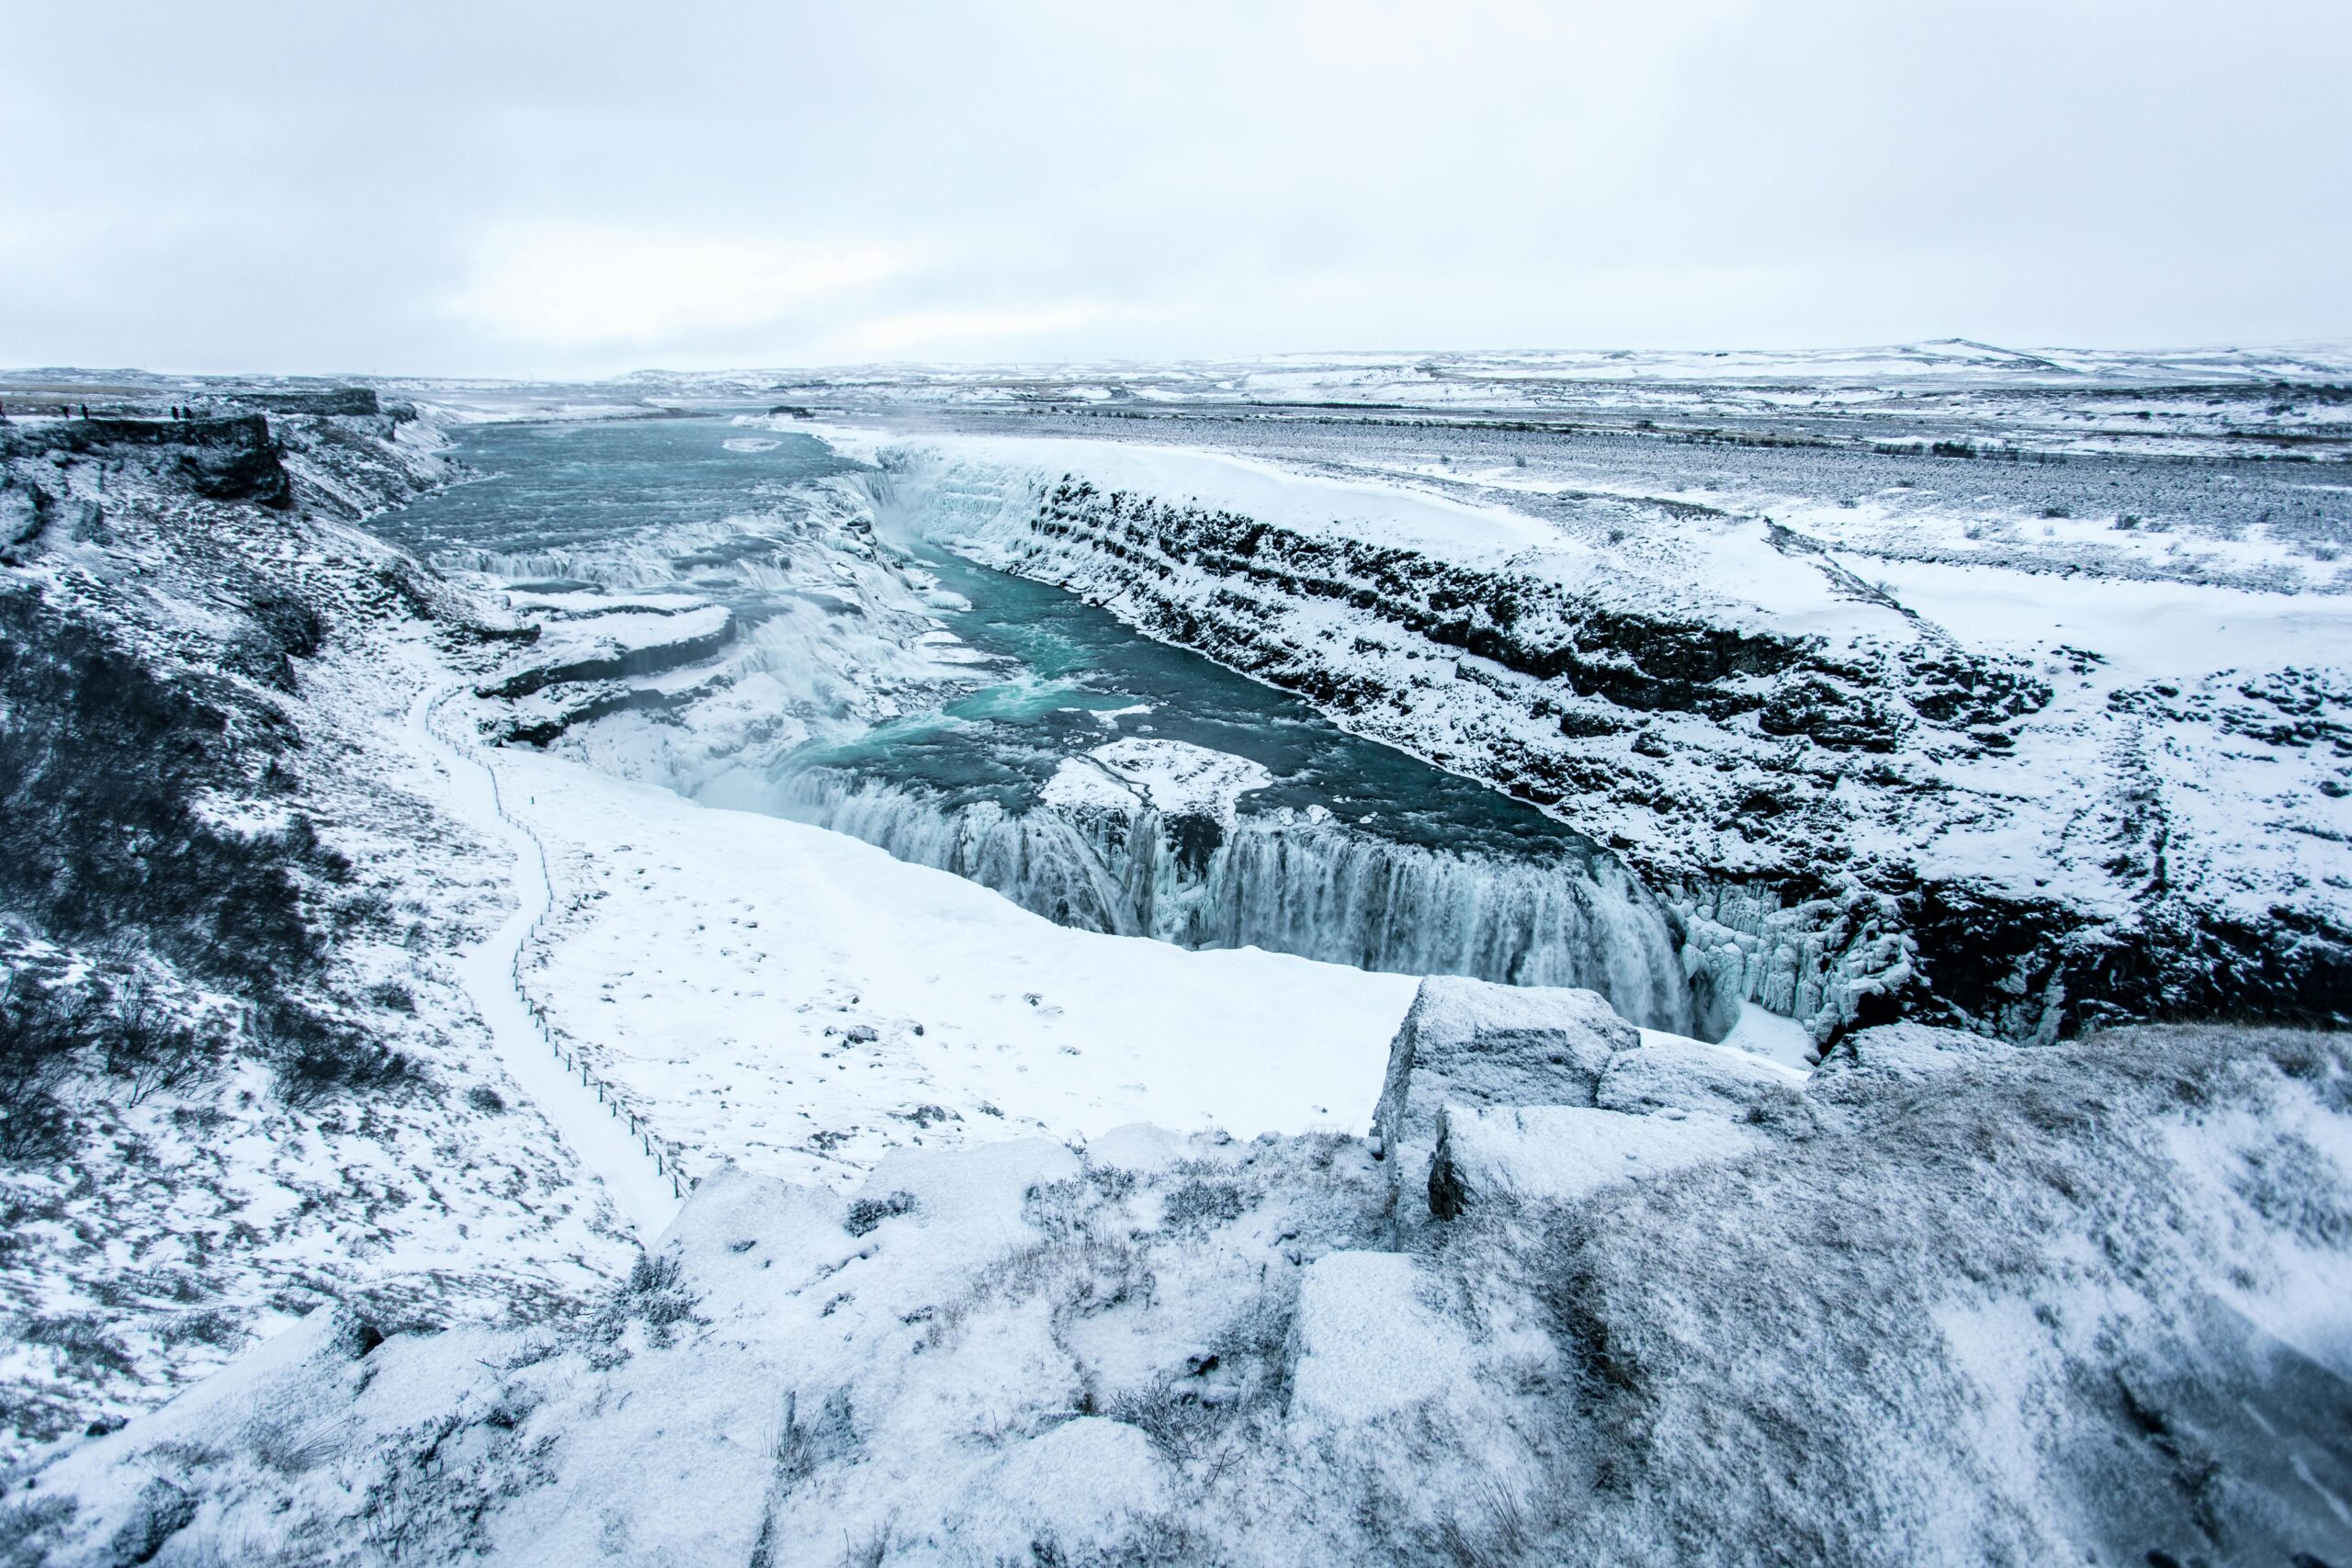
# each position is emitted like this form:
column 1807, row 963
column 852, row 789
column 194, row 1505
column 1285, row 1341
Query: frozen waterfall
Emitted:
column 1288, row 881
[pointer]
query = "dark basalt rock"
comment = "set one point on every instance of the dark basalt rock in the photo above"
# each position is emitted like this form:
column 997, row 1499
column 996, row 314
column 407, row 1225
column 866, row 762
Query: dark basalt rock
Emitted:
column 651, row 661
column 1975, row 690
column 1195, row 838
column 284, row 629
column 1634, row 660
column 2026, row 969
column 1830, row 715
column 230, row 458
column 350, row 402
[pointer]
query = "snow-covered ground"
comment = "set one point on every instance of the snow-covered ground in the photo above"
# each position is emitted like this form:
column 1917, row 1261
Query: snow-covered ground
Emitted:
column 799, row 1003
column 188, row 1216
column 1955, row 1303
column 645, row 1194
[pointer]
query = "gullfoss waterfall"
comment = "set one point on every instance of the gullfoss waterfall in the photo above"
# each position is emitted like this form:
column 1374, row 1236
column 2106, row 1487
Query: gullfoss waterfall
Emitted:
column 875, row 682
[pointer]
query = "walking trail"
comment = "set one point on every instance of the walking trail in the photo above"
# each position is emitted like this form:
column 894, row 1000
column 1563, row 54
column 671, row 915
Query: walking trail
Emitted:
column 615, row 1155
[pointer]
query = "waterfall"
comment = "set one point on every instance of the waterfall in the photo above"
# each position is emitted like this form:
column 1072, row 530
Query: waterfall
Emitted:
column 1288, row 881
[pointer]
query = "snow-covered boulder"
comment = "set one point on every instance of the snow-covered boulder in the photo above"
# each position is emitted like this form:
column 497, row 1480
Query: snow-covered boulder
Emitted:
column 1473, row 1043
column 1872, row 1062
column 1670, row 1077
column 1557, row 1154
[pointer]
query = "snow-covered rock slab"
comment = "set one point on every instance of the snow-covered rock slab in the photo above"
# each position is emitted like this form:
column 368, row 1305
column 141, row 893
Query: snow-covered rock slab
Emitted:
column 624, row 642
column 1368, row 1345
column 1473, row 1043
column 1672, row 1077
column 1173, row 777
column 1873, row 1062
column 1557, row 1154
column 1470, row 1043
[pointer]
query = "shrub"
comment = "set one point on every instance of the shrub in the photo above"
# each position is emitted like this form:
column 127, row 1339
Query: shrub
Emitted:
column 1198, row 1204
column 101, row 764
column 81, row 1341
column 28, row 1530
column 654, row 1294
column 42, row 1027
column 149, row 1050
column 314, row 1056
column 867, row 1212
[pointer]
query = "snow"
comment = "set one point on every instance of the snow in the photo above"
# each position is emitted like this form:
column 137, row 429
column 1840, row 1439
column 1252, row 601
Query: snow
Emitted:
column 2145, row 630
column 800, row 1002
column 1758, row 1034
column 1367, row 1348
column 605, row 1145
column 1078, row 1484
column 1173, row 777
column 1768, row 1034
column 1080, row 784
column 1470, row 1042
column 1558, row 1153
column 1033, row 1349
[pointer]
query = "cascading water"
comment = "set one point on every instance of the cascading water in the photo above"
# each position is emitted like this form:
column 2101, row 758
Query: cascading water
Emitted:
column 1289, row 881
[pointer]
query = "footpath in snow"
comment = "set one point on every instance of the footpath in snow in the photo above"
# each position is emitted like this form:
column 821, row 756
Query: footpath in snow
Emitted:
column 645, row 1193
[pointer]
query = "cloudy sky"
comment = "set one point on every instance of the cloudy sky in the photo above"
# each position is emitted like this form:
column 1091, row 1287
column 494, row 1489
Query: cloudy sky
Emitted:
column 514, row 188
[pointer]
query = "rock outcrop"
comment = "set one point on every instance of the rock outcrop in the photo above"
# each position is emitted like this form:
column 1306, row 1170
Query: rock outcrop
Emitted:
column 1547, row 1093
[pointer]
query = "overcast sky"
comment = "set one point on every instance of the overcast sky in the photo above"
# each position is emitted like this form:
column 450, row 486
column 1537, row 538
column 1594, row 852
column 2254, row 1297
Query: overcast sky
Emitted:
column 523, row 190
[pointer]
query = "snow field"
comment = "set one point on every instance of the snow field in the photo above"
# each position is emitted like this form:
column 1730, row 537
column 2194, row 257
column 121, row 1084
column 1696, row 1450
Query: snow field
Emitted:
column 798, row 1002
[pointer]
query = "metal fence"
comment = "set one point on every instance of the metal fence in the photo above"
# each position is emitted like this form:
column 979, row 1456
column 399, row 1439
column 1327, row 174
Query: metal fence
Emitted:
column 664, row 1161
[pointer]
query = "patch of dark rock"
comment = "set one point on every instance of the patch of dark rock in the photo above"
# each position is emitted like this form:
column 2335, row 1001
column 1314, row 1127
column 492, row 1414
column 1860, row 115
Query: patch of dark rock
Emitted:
column 866, row 1214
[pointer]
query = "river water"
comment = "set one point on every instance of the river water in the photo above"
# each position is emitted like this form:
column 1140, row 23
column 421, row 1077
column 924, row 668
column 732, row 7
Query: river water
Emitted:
column 1322, row 844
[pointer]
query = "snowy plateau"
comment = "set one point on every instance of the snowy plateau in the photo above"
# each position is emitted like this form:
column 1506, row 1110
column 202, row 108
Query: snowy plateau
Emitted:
column 1453, row 960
